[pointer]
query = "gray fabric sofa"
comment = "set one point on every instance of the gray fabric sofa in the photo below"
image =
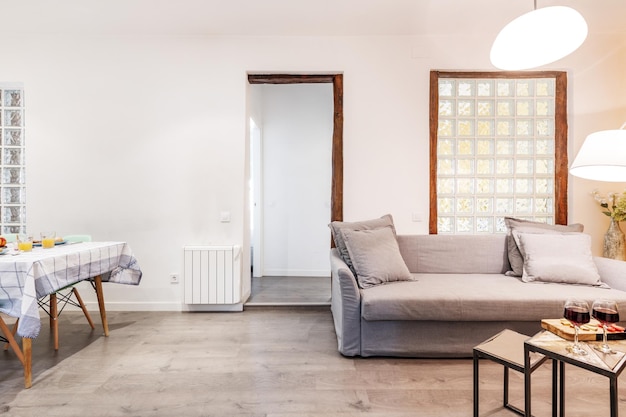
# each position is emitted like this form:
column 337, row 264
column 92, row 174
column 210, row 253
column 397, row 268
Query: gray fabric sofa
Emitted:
column 458, row 297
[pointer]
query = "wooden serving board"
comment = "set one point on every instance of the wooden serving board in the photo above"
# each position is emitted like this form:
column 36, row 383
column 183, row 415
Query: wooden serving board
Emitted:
column 563, row 329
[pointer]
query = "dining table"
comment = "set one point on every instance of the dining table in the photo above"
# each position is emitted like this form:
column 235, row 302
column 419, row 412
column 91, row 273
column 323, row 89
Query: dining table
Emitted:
column 26, row 277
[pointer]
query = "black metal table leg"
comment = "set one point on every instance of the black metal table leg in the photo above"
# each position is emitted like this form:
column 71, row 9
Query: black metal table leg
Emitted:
column 527, row 373
column 505, row 394
column 561, row 389
column 476, row 395
column 613, row 389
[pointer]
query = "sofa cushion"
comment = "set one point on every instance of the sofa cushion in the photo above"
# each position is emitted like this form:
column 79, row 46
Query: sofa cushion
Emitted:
column 475, row 297
column 515, row 256
column 559, row 257
column 337, row 227
column 375, row 256
column 448, row 254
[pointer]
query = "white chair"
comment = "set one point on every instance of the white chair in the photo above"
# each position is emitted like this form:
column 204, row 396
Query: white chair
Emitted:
column 8, row 336
column 64, row 297
column 77, row 238
column 10, row 237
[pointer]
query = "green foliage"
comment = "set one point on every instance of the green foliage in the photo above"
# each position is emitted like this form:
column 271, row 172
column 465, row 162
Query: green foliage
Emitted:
column 613, row 205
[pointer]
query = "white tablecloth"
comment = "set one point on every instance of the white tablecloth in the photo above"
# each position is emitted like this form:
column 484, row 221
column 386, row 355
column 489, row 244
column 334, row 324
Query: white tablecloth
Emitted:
column 26, row 277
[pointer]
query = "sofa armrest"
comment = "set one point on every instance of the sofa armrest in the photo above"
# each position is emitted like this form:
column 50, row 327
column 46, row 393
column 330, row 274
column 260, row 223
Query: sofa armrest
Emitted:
column 612, row 272
column 345, row 306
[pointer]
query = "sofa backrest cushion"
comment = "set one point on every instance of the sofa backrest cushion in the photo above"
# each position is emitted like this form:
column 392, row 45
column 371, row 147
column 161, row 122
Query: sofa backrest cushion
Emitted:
column 336, row 228
column 450, row 254
column 516, row 260
column 558, row 257
column 375, row 256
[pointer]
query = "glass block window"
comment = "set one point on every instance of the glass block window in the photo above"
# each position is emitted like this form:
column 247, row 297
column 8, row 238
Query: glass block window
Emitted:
column 12, row 160
column 495, row 152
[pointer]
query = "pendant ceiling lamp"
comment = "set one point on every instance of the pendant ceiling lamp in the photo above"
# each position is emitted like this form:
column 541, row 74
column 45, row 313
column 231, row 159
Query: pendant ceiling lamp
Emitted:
column 602, row 157
column 538, row 37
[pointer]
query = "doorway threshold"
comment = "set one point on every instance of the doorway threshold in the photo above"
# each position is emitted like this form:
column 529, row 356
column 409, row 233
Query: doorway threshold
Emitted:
column 287, row 304
column 289, row 291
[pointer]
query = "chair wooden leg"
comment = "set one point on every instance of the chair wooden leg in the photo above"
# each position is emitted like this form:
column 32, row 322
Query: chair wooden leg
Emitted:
column 13, row 331
column 103, row 314
column 54, row 320
column 8, row 334
column 83, row 307
column 24, row 354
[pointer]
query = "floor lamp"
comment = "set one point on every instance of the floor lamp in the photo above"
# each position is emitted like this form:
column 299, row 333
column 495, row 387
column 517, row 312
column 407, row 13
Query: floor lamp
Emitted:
column 603, row 158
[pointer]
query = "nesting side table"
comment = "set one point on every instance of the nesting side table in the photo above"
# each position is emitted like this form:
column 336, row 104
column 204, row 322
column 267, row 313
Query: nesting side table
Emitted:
column 507, row 349
column 555, row 348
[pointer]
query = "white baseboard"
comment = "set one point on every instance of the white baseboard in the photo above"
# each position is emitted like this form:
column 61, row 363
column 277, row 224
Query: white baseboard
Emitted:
column 134, row 306
column 156, row 306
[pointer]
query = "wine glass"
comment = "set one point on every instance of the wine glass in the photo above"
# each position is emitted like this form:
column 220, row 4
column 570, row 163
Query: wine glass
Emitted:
column 605, row 311
column 577, row 312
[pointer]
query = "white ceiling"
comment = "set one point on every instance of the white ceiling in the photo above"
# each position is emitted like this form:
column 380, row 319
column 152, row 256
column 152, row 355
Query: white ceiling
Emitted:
column 287, row 17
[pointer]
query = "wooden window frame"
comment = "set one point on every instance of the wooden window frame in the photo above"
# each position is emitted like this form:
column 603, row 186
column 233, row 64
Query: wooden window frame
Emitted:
column 560, row 133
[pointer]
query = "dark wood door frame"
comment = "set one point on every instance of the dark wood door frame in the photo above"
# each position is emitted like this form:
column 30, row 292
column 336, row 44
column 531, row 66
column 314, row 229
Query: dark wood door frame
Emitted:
column 336, row 198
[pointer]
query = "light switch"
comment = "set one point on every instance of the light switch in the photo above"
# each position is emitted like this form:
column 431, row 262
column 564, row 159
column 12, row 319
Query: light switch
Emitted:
column 225, row 216
column 417, row 217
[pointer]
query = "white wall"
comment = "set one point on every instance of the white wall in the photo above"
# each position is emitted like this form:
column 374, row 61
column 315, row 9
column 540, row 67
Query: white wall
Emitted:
column 147, row 135
column 297, row 129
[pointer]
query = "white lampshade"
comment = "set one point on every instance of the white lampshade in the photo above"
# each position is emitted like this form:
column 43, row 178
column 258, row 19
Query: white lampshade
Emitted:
column 538, row 38
column 602, row 157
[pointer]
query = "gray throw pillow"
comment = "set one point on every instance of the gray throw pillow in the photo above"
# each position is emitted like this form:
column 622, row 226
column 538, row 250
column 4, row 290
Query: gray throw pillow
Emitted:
column 337, row 227
column 515, row 256
column 560, row 257
column 376, row 256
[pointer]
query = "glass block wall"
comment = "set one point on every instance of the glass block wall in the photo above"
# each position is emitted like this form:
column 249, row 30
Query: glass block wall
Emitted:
column 495, row 153
column 13, row 181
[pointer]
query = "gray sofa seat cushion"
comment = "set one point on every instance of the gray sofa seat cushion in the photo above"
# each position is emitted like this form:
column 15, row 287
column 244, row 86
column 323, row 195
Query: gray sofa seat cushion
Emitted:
column 474, row 297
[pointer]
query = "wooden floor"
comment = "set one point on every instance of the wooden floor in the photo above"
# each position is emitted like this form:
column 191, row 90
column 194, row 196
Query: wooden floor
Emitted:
column 263, row 362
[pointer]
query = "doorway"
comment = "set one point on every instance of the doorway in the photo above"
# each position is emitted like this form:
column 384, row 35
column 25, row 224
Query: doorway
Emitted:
column 283, row 215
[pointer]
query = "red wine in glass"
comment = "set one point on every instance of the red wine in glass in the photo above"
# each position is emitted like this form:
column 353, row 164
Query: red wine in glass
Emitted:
column 605, row 311
column 577, row 315
column 577, row 312
column 605, row 315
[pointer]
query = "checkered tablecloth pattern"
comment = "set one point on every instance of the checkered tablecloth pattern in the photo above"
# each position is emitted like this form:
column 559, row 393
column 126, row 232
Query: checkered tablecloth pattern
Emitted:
column 28, row 276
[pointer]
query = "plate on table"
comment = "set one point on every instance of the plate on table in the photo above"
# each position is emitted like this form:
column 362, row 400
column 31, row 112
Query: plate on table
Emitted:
column 3, row 250
column 56, row 242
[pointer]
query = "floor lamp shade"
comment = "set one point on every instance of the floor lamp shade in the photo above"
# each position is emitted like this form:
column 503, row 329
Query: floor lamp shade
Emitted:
column 538, row 37
column 602, row 157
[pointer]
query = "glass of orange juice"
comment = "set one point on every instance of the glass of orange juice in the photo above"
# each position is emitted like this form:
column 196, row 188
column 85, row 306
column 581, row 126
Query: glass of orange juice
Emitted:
column 24, row 243
column 47, row 240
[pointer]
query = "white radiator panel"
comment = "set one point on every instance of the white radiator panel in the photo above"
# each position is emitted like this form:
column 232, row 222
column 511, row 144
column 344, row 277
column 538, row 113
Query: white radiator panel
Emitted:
column 212, row 274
